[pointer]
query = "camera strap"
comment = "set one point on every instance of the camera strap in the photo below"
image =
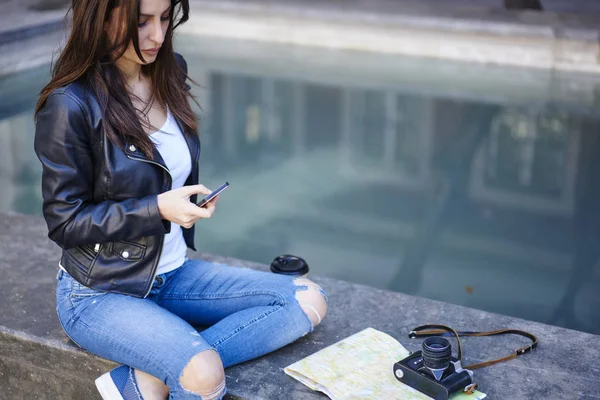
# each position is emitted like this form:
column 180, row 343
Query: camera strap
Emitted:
column 443, row 330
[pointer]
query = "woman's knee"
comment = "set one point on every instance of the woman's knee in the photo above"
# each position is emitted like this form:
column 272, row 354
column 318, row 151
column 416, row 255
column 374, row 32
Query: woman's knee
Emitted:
column 204, row 375
column 312, row 300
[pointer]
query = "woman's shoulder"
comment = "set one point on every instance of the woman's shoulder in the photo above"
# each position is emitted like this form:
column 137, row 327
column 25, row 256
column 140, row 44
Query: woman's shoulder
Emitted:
column 74, row 102
column 76, row 96
column 181, row 62
column 183, row 66
column 76, row 90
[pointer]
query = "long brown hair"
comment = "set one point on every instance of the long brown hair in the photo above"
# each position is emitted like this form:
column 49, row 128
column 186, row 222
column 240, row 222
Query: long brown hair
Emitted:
column 90, row 56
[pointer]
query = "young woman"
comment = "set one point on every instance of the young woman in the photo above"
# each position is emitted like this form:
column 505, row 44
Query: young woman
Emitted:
column 117, row 140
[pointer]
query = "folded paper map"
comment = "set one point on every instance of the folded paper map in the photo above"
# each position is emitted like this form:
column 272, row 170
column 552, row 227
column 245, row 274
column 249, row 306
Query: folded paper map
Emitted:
column 360, row 367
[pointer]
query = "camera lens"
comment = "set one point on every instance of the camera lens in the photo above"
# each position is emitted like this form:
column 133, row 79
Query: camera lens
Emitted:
column 436, row 353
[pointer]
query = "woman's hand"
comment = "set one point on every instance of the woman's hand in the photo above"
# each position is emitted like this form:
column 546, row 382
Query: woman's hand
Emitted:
column 175, row 205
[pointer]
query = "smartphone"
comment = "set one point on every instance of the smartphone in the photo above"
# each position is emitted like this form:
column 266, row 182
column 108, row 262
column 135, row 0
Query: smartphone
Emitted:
column 214, row 194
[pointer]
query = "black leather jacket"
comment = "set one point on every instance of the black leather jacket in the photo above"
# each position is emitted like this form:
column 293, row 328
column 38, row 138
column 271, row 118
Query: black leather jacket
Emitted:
column 100, row 201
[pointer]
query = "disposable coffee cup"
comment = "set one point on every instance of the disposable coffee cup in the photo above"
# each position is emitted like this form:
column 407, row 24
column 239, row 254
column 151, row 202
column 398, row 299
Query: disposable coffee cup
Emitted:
column 288, row 264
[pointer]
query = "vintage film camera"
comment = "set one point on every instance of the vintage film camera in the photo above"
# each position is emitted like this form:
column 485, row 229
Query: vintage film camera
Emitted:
column 436, row 373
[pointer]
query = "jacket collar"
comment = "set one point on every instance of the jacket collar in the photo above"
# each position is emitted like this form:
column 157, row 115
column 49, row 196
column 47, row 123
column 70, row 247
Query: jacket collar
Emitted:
column 133, row 151
column 192, row 142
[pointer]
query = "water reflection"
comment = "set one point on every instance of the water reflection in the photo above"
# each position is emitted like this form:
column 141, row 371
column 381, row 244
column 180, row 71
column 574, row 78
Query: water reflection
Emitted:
column 471, row 195
column 19, row 171
column 441, row 187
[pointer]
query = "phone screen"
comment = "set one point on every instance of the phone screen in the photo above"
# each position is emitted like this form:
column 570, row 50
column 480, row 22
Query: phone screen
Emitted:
column 214, row 194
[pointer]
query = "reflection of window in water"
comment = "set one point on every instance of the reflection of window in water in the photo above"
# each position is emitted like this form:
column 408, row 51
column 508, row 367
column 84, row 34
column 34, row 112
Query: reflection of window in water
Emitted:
column 388, row 134
column 19, row 172
column 247, row 109
column 527, row 153
column 409, row 129
column 252, row 117
column 373, row 115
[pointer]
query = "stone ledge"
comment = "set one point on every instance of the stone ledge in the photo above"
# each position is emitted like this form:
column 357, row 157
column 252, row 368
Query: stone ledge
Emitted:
column 472, row 34
column 548, row 40
column 37, row 359
column 11, row 36
column 24, row 18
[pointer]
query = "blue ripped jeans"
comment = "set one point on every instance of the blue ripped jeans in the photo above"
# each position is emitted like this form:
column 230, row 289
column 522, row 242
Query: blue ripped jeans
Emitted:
column 249, row 314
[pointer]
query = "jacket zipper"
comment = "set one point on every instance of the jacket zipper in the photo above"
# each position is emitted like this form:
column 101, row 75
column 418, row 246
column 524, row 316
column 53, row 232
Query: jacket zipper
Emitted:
column 160, row 248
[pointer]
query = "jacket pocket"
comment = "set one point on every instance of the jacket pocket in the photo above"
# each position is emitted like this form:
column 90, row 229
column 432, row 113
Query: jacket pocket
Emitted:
column 90, row 251
column 82, row 258
column 128, row 251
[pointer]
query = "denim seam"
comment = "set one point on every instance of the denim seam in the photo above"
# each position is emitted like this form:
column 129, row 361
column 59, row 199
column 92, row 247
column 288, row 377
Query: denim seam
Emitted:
column 244, row 326
column 281, row 300
column 75, row 318
column 86, row 295
column 223, row 296
column 82, row 297
column 70, row 320
column 137, row 354
column 70, row 296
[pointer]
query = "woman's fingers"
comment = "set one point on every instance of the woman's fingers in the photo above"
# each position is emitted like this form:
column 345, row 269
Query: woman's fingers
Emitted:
column 201, row 189
column 202, row 212
column 210, row 206
column 188, row 191
column 191, row 213
column 175, row 206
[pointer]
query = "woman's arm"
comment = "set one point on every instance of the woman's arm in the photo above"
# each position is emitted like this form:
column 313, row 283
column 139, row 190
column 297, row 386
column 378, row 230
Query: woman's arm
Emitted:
column 62, row 143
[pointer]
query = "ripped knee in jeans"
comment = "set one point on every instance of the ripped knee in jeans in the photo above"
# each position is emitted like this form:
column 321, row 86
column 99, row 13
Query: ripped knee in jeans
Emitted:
column 204, row 376
column 312, row 300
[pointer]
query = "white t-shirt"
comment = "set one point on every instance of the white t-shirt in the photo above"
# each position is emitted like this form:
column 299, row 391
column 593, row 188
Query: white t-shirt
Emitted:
column 175, row 152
